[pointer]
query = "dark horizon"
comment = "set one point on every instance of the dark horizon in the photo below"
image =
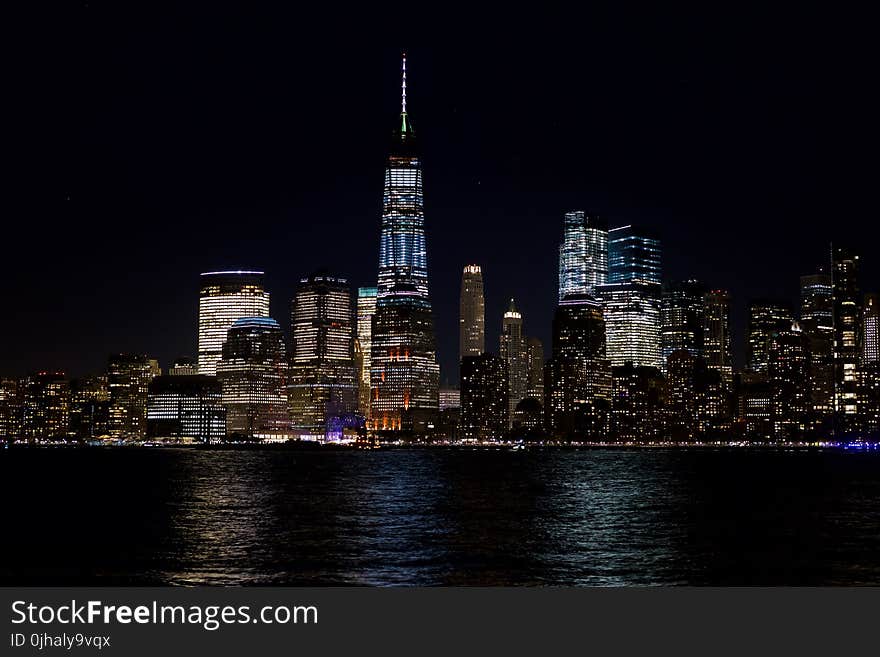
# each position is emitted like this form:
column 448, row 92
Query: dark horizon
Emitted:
column 164, row 146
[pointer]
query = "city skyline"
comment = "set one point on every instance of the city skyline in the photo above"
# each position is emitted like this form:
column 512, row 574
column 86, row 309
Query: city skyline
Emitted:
column 459, row 111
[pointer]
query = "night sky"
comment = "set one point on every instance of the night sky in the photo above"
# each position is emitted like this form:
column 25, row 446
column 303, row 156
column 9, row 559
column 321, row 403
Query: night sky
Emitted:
column 154, row 143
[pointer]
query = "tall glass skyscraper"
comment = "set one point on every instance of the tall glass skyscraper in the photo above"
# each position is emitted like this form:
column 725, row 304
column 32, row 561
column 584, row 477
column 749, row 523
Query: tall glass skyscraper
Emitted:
column 472, row 313
column 405, row 375
column 583, row 254
column 366, row 308
column 632, row 297
column 226, row 296
column 633, row 255
column 323, row 380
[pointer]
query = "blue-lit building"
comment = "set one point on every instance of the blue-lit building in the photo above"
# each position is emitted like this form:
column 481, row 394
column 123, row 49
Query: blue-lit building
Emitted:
column 631, row 299
column 405, row 374
column 633, row 255
column 583, row 254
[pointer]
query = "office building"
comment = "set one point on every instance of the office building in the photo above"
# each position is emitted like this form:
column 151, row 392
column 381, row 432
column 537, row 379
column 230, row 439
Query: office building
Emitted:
column 847, row 300
column 323, row 381
column 716, row 334
column 577, row 379
column 513, row 353
column 224, row 297
column 46, row 407
column 789, row 375
column 817, row 322
column 766, row 318
column 128, row 381
column 484, row 405
column 185, row 408
column 583, row 254
column 253, row 383
column 472, row 313
column 405, row 374
column 366, row 308
column 681, row 319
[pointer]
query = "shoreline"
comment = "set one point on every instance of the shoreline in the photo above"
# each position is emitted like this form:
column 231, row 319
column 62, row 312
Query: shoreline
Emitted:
column 854, row 446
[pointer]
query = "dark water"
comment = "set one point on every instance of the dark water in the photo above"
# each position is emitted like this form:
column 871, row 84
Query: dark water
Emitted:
column 592, row 517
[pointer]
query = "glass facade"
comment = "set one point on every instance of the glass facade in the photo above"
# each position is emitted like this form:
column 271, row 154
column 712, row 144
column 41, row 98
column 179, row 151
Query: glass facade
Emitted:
column 404, row 372
column 224, row 297
column 633, row 256
column 323, row 379
column 583, row 254
column 632, row 298
column 632, row 323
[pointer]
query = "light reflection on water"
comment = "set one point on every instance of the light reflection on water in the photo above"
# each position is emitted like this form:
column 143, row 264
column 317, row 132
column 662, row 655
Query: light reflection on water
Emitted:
column 408, row 517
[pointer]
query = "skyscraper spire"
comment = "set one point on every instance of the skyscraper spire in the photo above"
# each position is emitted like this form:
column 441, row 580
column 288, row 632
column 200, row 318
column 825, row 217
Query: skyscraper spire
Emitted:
column 403, row 87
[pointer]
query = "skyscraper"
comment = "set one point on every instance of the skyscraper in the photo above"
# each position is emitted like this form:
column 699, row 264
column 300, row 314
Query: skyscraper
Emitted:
column 632, row 297
column 128, row 380
column 681, row 319
column 577, row 390
column 252, row 375
column 366, row 308
column 766, row 318
column 226, row 296
column 46, row 410
column 869, row 369
column 535, row 357
column 484, row 405
column 323, row 379
column 632, row 323
column 870, row 340
column 716, row 334
column 405, row 375
column 90, row 407
column 513, row 354
column 788, row 360
column 817, row 321
column 633, row 255
column 845, row 282
column 472, row 315
column 583, row 254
